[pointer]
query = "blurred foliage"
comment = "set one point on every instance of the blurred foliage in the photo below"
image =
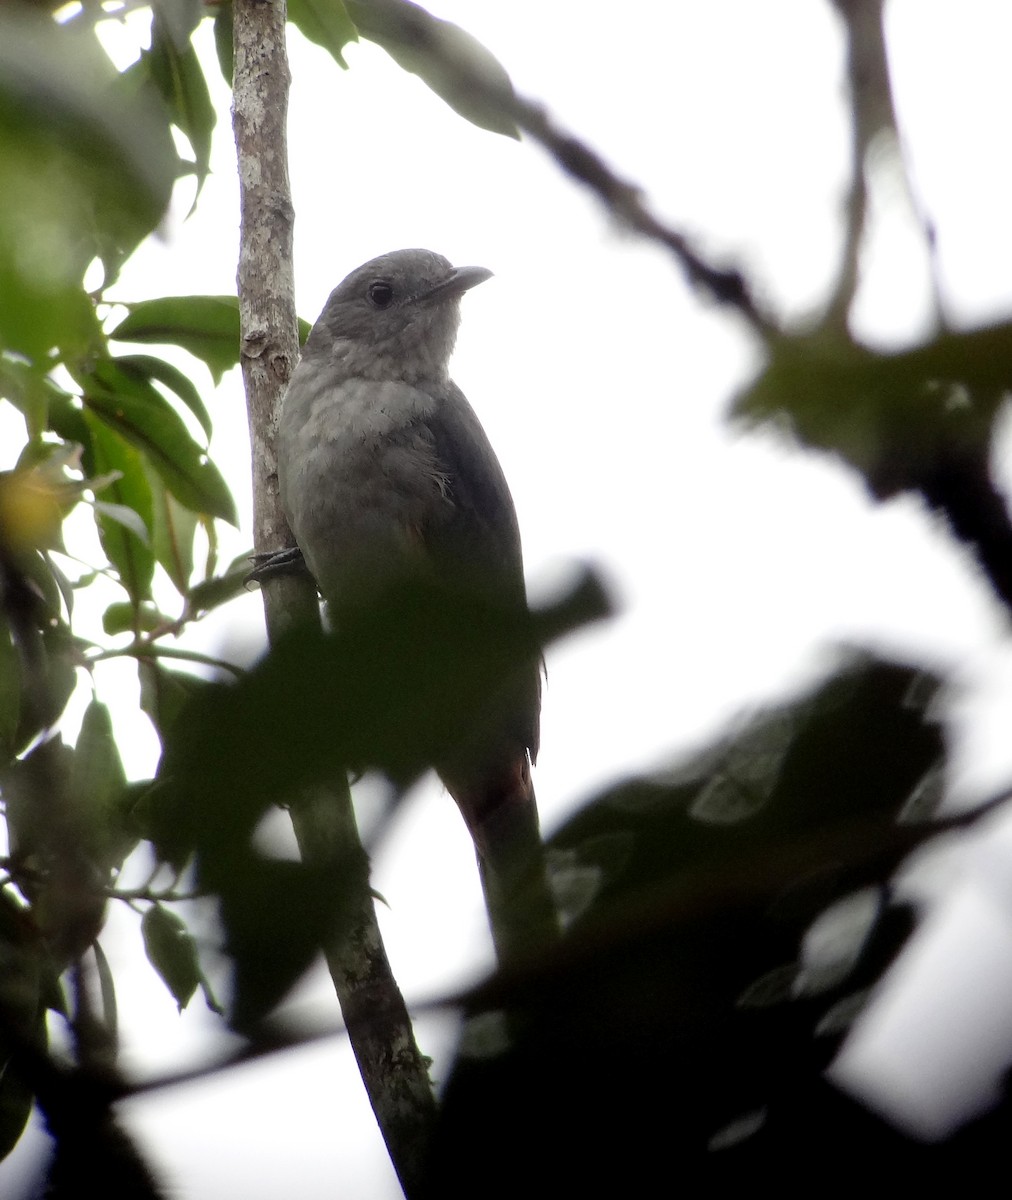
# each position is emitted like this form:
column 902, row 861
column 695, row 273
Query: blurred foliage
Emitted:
column 888, row 415
column 400, row 686
column 118, row 441
column 725, row 921
column 454, row 64
column 684, row 1024
column 921, row 420
column 172, row 951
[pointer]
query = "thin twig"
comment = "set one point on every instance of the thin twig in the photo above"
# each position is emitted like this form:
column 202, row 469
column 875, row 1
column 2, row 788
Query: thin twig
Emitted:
column 144, row 650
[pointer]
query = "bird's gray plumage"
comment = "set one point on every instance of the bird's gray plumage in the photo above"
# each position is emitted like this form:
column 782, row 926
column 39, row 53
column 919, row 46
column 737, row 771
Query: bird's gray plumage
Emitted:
column 382, row 463
column 384, row 472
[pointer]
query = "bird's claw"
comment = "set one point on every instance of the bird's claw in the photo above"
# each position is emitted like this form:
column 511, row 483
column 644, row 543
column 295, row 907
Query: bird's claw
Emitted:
column 269, row 563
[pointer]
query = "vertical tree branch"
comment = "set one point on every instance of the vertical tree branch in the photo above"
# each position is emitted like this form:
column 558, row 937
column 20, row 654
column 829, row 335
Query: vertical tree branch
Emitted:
column 265, row 277
column 379, row 1027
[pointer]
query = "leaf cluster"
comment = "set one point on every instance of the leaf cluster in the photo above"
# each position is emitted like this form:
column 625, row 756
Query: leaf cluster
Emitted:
column 728, row 922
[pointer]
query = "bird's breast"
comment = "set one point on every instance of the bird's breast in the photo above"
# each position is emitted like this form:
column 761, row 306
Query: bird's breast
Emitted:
column 361, row 409
column 359, row 478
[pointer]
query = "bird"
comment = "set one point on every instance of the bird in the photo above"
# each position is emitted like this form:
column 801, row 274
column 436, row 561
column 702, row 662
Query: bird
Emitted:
column 385, row 474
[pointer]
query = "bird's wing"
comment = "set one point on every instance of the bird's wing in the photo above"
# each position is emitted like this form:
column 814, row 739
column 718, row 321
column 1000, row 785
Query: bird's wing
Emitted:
column 477, row 525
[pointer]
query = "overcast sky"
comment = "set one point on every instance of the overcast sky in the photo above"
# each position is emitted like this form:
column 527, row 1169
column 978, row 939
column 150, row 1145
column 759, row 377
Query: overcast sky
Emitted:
column 735, row 561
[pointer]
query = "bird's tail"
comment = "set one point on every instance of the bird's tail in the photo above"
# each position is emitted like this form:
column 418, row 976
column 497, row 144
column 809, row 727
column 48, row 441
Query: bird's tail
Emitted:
column 502, row 814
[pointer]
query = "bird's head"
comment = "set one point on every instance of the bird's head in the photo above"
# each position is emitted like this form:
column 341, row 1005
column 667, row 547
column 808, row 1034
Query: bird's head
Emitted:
column 395, row 317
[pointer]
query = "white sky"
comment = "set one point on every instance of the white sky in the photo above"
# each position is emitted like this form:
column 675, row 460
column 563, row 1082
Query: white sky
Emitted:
column 601, row 381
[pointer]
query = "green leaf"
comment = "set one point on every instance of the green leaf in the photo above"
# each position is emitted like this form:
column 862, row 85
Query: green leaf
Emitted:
column 325, row 22
column 39, row 568
column 34, row 785
column 206, row 326
column 121, row 617
column 172, row 952
column 178, row 19
column 85, row 176
column 66, row 417
column 22, row 1013
column 56, row 657
column 455, row 65
column 107, row 986
column 212, row 593
column 276, row 916
column 223, row 44
column 125, row 516
column 164, row 372
column 179, row 77
column 887, row 415
column 98, row 783
column 10, row 693
column 164, row 693
column 138, row 412
column 27, row 387
column 124, row 538
column 210, row 999
column 63, row 583
column 172, row 536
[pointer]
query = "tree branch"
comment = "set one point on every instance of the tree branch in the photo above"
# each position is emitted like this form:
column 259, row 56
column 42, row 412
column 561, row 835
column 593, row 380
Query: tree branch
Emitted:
column 625, row 202
column 393, row 1070
column 872, row 123
column 400, row 26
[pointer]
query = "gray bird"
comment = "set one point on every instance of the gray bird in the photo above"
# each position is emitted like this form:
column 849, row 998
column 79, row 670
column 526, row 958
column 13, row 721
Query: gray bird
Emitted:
column 386, row 474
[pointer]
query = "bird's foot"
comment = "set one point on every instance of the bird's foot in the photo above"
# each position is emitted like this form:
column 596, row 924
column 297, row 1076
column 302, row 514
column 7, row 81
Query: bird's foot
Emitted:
column 269, row 563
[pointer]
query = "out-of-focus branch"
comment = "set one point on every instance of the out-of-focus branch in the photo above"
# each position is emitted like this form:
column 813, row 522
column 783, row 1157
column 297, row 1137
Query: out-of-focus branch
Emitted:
column 476, row 81
column 955, row 480
column 625, row 202
column 874, row 136
column 683, row 902
column 872, row 114
column 395, row 1073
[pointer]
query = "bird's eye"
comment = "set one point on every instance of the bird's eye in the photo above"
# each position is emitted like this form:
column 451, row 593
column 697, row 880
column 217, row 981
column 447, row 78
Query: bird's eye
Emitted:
column 380, row 293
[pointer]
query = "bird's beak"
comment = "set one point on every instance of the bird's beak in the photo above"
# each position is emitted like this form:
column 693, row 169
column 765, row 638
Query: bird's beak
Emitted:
column 460, row 280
